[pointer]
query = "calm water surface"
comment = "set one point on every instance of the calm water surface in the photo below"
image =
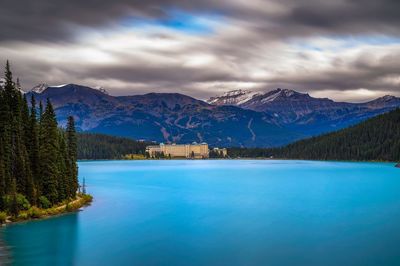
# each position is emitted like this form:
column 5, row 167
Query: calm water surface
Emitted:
column 221, row 213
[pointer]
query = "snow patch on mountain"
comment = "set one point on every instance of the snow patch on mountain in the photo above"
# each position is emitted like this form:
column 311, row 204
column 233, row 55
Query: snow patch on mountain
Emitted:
column 271, row 97
column 235, row 97
column 59, row 86
column 101, row 89
column 245, row 97
column 40, row 88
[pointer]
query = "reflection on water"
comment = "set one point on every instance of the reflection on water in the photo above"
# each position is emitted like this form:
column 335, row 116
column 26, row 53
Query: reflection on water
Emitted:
column 48, row 242
column 5, row 256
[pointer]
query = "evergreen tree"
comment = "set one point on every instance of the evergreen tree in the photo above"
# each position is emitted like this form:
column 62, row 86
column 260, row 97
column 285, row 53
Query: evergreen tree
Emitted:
column 29, row 188
column 72, row 148
column 3, row 147
column 6, row 118
column 48, row 154
column 19, row 167
column 33, row 145
column 40, row 111
column 63, row 165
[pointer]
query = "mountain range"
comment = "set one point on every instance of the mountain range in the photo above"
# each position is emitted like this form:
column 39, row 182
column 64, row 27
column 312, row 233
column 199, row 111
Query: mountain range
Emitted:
column 238, row 118
column 164, row 117
column 303, row 113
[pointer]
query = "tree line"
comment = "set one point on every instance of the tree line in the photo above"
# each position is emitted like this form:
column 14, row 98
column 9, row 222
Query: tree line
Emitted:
column 377, row 139
column 93, row 146
column 37, row 158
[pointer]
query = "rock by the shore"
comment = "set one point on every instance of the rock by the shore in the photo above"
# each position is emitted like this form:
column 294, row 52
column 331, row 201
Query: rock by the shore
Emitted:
column 398, row 165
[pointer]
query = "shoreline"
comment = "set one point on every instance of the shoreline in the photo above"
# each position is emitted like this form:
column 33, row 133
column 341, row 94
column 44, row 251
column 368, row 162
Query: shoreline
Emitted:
column 36, row 214
column 245, row 158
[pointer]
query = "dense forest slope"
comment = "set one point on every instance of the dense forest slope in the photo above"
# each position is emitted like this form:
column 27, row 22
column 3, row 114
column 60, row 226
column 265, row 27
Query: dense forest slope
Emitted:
column 98, row 146
column 37, row 158
column 375, row 139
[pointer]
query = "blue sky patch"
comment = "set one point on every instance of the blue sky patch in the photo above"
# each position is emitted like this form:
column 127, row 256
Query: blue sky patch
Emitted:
column 190, row 23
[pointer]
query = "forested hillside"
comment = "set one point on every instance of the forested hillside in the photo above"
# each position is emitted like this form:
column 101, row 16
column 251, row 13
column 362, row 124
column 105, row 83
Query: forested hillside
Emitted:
column 375, row 139
column 98, row 146
column 37, row 159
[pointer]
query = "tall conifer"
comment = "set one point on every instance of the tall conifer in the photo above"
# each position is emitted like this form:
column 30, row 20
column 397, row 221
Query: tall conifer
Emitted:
column 72, row 143
column 48, row 153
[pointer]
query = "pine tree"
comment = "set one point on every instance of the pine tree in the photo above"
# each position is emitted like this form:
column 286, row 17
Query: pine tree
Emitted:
column 40, row 111
column 14, row 122
column 3, row 147
column 6, row 118
column 72, row 148
column 29, row 188
column 48, row 154
column 34, row 148
column 63, row 168
column 14, row 204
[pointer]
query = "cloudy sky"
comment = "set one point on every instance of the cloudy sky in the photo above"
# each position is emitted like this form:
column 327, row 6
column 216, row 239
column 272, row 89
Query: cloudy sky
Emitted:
column 342, row 49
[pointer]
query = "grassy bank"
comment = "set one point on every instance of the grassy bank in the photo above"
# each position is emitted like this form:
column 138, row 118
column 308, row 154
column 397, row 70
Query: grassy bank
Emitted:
column 38, row 213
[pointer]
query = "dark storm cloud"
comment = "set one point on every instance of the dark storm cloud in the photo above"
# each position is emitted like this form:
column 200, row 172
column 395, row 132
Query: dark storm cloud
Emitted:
column 45, row 39
column 55, row 19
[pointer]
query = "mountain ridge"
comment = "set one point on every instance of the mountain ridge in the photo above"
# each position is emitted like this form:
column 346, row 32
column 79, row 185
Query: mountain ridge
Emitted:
column 301, row 112
column 175, row 117
column 165, row 117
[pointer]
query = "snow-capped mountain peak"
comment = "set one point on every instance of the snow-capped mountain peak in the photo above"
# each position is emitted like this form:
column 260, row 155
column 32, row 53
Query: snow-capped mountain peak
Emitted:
column 245, row 97
column 235, row 97
column 103, row 90
column 273, row 95
column 40, row 88
column 59, row 86
column 43, row 86
column 287, row 92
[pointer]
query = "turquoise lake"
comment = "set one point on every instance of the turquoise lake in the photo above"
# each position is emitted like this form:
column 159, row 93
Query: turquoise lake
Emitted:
column 227, row 212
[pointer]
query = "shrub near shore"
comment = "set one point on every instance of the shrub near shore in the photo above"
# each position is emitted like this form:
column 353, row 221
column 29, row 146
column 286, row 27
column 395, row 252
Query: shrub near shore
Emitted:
column 35, row 212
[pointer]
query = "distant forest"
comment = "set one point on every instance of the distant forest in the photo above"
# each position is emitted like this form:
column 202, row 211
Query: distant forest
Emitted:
column 377, row 139
column 93, row 146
